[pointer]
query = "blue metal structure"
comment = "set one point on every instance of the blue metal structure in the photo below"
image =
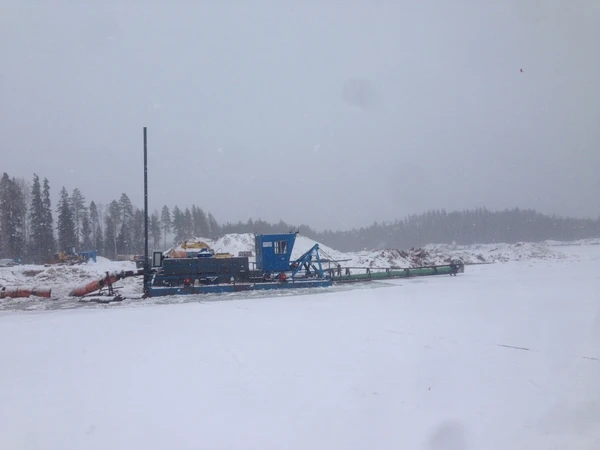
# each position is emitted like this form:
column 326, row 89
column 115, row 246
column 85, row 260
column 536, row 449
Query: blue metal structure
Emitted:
column 273, row 251
column 237, row 287
column 91, row 254
column 309, row 263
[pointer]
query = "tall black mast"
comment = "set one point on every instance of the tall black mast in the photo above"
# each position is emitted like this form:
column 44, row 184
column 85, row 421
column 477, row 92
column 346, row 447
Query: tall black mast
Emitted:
column 146, row 262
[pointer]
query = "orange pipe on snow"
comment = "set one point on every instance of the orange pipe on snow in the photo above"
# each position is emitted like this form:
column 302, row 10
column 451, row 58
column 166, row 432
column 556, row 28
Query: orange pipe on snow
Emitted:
column 106, row 280
column 24, row 292
column 92, row 286
column 41, row 292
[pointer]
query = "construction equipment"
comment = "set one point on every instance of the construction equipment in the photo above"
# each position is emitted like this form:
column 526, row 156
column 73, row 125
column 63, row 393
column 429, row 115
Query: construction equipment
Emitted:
column 189, row 249
column 67, row 256
column 207, row 273
column 7, row 262
column 194, row 245
column 88, row 255
column 70, row 256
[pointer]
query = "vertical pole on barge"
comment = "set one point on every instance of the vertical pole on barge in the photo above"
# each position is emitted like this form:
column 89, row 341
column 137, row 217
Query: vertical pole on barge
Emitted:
column 146, row 263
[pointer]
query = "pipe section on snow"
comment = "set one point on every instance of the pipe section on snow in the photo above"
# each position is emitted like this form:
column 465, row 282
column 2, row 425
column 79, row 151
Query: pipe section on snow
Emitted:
column 24, row 292
column 106, row 280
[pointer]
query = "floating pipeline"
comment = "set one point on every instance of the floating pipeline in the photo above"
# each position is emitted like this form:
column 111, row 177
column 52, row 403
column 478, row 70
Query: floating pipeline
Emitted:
column 24, row 292
column 105, row 280
column 396, row 273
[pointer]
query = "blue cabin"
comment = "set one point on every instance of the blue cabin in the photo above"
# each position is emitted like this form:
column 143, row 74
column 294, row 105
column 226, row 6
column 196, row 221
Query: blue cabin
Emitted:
column 273, row 251
column 88, row 255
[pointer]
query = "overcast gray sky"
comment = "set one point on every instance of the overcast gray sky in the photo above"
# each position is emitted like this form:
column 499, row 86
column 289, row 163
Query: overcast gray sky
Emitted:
column 329, row 113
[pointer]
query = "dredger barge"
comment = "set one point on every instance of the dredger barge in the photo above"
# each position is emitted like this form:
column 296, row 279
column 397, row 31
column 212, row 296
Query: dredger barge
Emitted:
column 273, row 268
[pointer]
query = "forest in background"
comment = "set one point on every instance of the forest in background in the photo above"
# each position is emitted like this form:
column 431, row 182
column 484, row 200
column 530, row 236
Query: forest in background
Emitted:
column 32, row 230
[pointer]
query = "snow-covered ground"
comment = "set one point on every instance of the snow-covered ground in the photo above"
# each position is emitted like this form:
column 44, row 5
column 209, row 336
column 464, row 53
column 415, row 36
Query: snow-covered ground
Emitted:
column 504, row 356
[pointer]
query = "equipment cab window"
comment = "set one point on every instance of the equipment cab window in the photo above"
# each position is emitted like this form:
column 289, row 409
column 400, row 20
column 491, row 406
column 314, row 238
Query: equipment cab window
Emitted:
column 280, row 247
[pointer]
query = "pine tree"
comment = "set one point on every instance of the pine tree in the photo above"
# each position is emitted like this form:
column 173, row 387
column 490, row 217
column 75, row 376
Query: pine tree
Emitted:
column 66, row 224
column 49, row 242
column 137, row 224
column 11, row 214
column 37, row 218
column 112, row 227
column 94, row 223
column 188, row 223
column 155, row 230
column 100, row 233
column 178, row 224
column 125, row 237
column 200, row 222
column 77, row 203
column 86, row 233
column 165, row 223
column 110, row 237
column 213, row 227
column 25, row 189
column 20, row 210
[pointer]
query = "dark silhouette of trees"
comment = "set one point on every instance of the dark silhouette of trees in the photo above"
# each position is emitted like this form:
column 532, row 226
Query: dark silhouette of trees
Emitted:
column 438, row 226
column 12, row 207
column 27, row 226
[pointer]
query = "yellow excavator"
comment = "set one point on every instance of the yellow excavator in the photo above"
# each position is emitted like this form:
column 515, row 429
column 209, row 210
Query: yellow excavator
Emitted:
column 188, row 246
column 68, row 256
column 199, row 245
column 194, row 245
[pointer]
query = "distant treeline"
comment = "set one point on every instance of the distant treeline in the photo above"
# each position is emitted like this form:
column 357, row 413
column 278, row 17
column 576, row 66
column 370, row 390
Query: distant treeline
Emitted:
column 32, row 231
column 462, row 227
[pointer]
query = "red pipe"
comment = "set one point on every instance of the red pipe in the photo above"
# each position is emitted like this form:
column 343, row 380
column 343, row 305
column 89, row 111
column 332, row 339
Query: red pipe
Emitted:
column 95, row 285
column 24, row 292
column 106, row 280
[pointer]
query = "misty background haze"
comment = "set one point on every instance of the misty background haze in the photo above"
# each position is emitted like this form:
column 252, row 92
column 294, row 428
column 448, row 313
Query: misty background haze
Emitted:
column 325, row 113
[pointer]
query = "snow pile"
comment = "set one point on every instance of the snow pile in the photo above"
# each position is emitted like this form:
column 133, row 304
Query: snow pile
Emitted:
column 303, row 244
column 230, row 243
column 590, row 241
column 234, row 244
column 413, row 257
column 491, row 253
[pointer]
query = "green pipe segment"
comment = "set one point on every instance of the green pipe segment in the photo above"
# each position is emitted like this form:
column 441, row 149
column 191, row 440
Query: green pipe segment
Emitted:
column 403, row 273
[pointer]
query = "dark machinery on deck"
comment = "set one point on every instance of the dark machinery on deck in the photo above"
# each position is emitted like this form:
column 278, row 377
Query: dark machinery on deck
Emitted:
column 208, row 273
